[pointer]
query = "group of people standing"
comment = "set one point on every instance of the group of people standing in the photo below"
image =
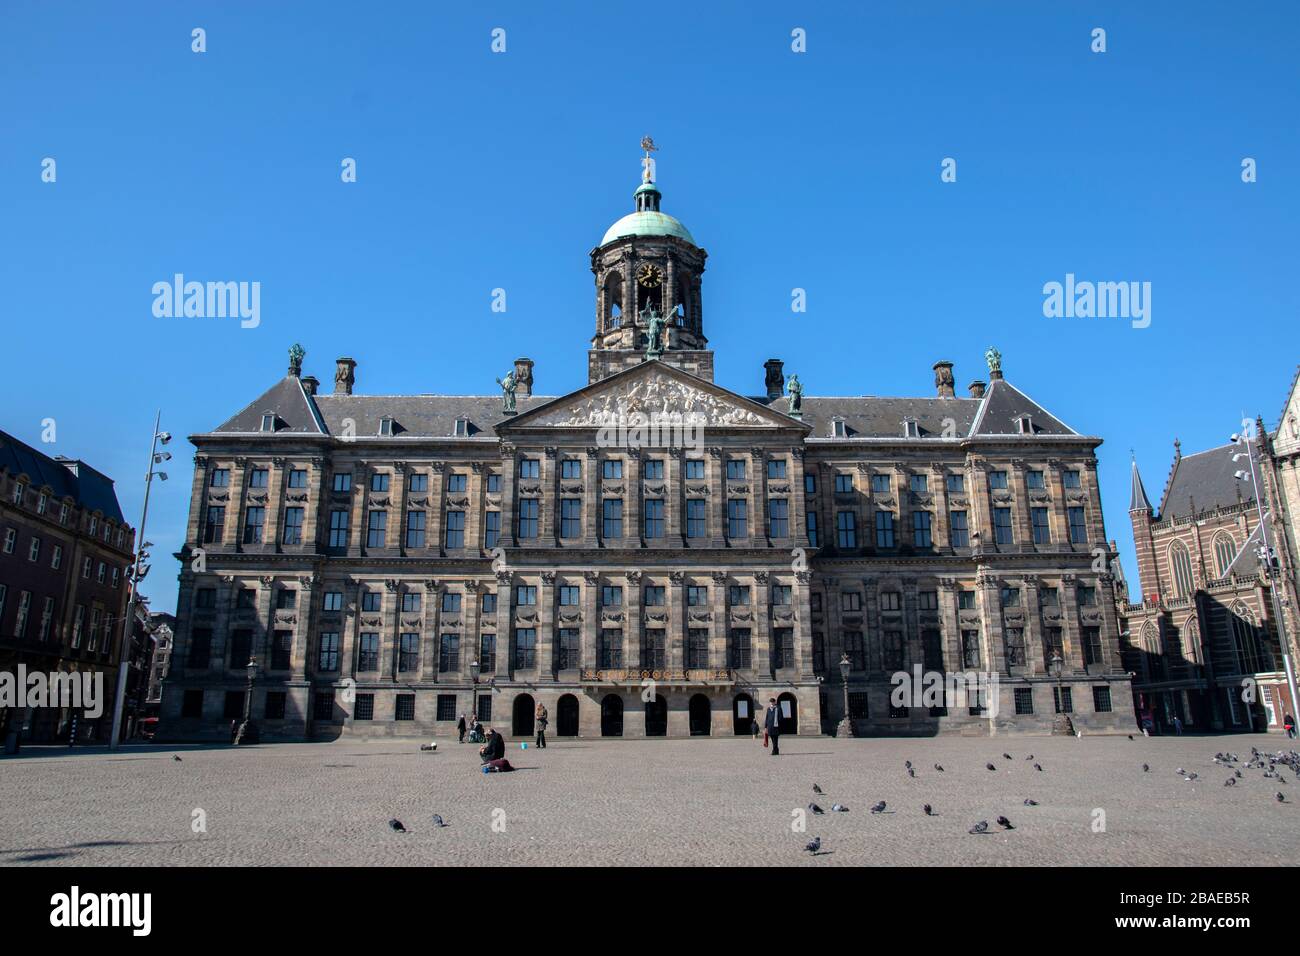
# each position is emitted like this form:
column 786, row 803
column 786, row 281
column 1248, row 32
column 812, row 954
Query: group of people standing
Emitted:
column 493, row 741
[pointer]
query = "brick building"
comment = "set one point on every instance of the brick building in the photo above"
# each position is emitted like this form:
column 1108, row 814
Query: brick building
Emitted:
column 64, row 552
column 390, row 562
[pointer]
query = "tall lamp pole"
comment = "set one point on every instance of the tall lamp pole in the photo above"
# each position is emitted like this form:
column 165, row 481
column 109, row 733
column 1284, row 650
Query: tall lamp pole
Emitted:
column 845, row 729
column 1266, row 556
column 135, row 575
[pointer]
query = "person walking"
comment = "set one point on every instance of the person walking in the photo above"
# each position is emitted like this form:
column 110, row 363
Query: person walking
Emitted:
column 541, row 720
column 1289, row 723
column 460, row 728
column 1178, row 726
column 772, row 724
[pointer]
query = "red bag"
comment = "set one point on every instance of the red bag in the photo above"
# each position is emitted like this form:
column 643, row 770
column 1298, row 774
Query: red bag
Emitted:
column 765, row 738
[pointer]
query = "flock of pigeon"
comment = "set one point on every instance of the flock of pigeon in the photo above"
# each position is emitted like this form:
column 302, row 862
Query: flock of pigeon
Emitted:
column 1270, row 764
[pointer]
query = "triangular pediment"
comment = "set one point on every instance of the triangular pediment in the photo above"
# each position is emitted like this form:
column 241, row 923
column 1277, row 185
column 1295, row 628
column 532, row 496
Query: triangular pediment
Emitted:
column 652, row 392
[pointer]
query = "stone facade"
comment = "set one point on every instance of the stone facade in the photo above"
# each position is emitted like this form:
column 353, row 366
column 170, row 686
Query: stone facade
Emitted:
column 650, row 554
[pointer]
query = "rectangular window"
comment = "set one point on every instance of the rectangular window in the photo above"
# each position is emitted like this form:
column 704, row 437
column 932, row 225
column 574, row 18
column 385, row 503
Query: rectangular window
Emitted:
column 612, row 517
column 880, row 484
column 525, row 648
column 457, row 483
column 78, row 620
column 451, row 602
column 488, row 603
column 293, row 518
column 254, row 521
column 34, row 549
column 738, row 595
column 776, row 468
column 654, row 653
column 956, row 483
column 697, row 595
column 415, row 529
column 377, row 529
column 1002, row 526
column 846, row 530
column 281, row 650
column 365, row 707
column 783, row 647
column 997, row 480
column 810, row 484
column 297, row 477
column 417, row 483
column 411, row 602
column 408, row 652
column 220, row 478
column 1071, row 479
column 1092, row 646
column 694, row 469
column 781, row 595
column 1063, row 699
column 570, row 595
column 571, row 468
column 568, row 650
column 372, row 601
column 884, row 529
column 695, row 520
column 192, row 705
column 1087, row 595
column 1024, row 700
column 487, row 653
column 697, row 648
column 491, row 528
column 919, row 484
column 446, row 707
column 379, row 481
column 1078, row 525
column 1034, row 480
column 449, row 653
column 655, row 596
column 892, row 648
column 609, row 647
column 342, row 481
column 654, row 518
column 257, row 478
column 856, row 648
column 1042, row 530
column 200, row 645
column 611, row 468
column 921, row 530
column 455, row 531
column 737, row 518
column 1013, row 641
column 525, row 595
column 1010, row 597
column 286, row 599
column 234, row 707
column 494, row 483
column 241, row 648
column 735, row 469
column 528, row 508
column 851, row 601
column 530, row 468
column 611, row 596
column 328, row 657
column 843, row 484
column 778, row 518
column 368, row 652
column 405, row 709
column 928, row 600
column 214, row 526
column 652, row 469
column 1101, row 700
column 205, row 598
column 739, row 651
column 810, row 519
column 970, row 649
column 965, row 600
column 570, row 517
column 338, row 529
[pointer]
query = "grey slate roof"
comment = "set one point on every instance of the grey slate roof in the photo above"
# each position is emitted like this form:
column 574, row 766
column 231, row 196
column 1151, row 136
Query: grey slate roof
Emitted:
column 68, row 477
column 871, row 416
column 289, row 401
column 1205, row 481
column 1003, row 406
column 420, row 416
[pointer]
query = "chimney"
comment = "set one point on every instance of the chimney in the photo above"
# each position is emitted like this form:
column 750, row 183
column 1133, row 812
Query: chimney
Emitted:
column 976, row 389
column 524, row 377
column 344, row 376
column 943, row 381
column 310, row 383
column 774, row 378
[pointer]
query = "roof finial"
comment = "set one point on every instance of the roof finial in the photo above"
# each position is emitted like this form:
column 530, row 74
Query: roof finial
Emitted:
column 296, row 355
column 648, row 161
column 994, row 359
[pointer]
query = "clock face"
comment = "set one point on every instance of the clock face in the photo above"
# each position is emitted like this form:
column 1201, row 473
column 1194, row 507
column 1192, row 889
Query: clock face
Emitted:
column 649, row 276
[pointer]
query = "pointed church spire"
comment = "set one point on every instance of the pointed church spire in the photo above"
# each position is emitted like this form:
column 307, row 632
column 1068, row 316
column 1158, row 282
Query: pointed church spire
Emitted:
column 1138, row 498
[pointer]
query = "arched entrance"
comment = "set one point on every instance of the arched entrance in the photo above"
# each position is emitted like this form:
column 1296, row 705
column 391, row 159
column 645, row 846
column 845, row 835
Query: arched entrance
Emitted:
column 656, row 716
column 566, row 716
column 522, row 724
column 742, row 715
column 700, row 717
column 788, row 705
column 611, row 716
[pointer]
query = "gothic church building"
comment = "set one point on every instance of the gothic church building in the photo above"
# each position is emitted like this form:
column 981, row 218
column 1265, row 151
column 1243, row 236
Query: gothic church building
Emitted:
column 380, row 565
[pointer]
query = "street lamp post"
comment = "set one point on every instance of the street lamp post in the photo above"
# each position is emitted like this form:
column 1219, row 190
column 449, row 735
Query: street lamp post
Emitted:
column 247, row 733
column 1266, row 555
column 1062, row 723
column 845, row 729
column 135, row 574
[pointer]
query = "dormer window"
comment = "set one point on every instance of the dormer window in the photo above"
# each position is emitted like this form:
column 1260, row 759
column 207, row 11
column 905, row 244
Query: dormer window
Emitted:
column 1025, row 425
column 462, row 428
column 911, row 429
column 268, row 421
column 386, row 426
column 837, row 428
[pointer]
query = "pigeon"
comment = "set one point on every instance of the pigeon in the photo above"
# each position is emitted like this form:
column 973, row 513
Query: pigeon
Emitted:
column 1030, row 802
column 1146, row 768
column 1038, row 767
column 176, row 757
column 938, row 768
column 816, row 789
column 1181, row 772
column 911, row 772
column 1236, row 773
column 839, row 808
column 1005, row 824
column 1007, row 756
column 981, row 827
column 990, row 766
column 929, row 810
column 438, row 820
column 1279, row 797
column 396, row 824
column 907, row 764
column 817, row 811
column 814, row 845
column 1230, row 782
column 1030, row 757
column 1191, row 776
column 1130, row 736
column 879, row 807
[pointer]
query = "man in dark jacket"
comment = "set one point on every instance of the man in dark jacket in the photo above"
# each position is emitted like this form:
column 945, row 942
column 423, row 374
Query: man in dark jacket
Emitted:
column 772, row 724
column 460, row 728
column 495, row 748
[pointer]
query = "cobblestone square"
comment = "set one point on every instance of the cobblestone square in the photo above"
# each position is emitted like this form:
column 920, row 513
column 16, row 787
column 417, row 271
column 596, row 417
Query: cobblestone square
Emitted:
column 720, row 801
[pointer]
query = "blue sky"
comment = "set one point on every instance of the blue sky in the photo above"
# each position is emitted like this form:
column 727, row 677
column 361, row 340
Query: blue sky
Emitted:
column 478, row 170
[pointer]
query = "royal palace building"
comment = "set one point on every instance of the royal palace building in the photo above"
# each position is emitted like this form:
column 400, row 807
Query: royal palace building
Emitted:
column 652, row 554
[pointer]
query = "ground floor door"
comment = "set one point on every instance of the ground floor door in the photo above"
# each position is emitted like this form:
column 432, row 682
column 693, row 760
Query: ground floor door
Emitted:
column 701, row 717
column 566, row 716
column 611, row 716
column 656, row 716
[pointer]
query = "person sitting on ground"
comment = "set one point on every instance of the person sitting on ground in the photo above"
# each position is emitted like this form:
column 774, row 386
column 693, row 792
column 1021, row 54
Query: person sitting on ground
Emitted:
column 495, row 748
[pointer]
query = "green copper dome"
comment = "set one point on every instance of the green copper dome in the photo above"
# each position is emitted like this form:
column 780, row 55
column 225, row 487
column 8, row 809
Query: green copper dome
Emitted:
column 647, row 224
